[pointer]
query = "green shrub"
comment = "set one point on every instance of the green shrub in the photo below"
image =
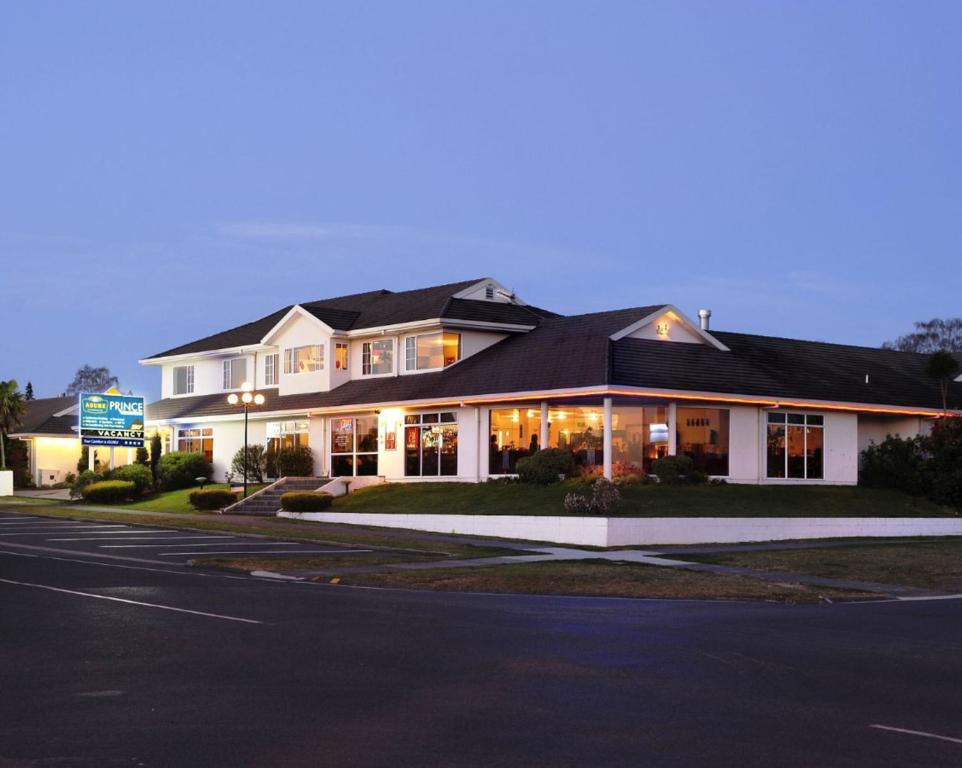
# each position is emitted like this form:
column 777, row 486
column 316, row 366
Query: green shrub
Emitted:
column 676, row 470
column 156, row 449
column 142, row 456
column 109, row 491
column 546, row 466
column 137, row 474
column 212, row 498
column 180, row 469
column 295, row 462
column 85, row 478
column 605, row 496
column 306, row 501
column 256, row 463
column 896, row 464
column 944, row 446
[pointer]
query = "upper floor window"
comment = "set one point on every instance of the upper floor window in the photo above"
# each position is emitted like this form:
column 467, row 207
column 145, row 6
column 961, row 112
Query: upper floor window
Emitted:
column 340, row 356
column 183, row 379
column 304, row 359
column 795, row 445
column 377, row 357
column 270, row 369
column 432, row 350
column 235, row 372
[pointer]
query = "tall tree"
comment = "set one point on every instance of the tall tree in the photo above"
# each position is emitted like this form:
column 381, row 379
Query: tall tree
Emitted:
column 28, row 392
column 936, row 335
column 12, row 410
column 90, row 379
column 943, row 367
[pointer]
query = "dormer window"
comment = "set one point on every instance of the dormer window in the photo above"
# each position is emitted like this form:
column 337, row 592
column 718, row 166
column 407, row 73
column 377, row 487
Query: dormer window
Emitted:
column 489, row 292
column 235, row 372
column 377, row 357
column 431, row 350
column 308, row 359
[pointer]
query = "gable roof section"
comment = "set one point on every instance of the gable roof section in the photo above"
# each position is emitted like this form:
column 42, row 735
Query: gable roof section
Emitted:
column 780, row 368
column 41, row 418
column 373, row 309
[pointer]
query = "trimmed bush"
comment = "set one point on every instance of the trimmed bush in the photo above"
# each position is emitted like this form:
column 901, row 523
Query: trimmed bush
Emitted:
column 212, row 498
column 85, row 478
column 546, row 466
column 256, row 463
column 180, row 469
column 295, row 462
column 109, row 492
column 675, row 470
column 137, row 474
column 306, row 501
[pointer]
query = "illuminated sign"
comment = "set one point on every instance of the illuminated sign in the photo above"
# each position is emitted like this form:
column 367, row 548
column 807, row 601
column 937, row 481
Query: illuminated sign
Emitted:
column 112, row 420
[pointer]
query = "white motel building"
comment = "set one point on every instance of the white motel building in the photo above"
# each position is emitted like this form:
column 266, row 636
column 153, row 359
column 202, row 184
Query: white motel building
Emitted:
column 459, row 381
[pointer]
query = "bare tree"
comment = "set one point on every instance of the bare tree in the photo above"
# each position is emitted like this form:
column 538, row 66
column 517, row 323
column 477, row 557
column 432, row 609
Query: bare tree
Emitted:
column 936, row 335
column 90, row 379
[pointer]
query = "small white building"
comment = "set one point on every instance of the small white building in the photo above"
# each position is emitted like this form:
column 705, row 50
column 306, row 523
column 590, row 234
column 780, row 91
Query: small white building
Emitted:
column 459, row 381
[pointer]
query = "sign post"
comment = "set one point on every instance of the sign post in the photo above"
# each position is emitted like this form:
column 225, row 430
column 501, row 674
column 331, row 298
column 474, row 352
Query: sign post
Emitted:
column 111, row 420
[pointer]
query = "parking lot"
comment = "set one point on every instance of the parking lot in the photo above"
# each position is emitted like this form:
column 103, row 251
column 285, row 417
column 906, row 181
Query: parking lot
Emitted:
column 145, row 544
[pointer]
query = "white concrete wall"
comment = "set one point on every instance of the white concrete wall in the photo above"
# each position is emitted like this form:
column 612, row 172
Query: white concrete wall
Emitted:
column 841, row 448
column 874, row 429
column 622, row 532
column 6, row 482
column 743, row 452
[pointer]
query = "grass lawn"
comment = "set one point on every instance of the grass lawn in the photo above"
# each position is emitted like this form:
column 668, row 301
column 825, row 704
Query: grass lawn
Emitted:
column 597, row 578
column 641, row 500
column 178, row 501
column 925, row 563
column 30, row 500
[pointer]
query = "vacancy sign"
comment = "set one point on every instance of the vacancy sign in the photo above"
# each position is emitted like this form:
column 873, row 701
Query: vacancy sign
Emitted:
column 114, row 420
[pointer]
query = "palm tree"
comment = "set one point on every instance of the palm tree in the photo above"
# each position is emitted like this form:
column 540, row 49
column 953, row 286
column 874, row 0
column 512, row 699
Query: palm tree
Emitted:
column 943, row 367
column 12, row 410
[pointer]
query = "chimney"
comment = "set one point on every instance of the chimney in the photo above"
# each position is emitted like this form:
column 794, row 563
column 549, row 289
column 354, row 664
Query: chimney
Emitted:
column 704, row 315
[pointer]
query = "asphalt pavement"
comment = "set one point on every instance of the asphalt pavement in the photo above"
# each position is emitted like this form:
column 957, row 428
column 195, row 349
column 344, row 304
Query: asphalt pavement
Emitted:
column 106, row 660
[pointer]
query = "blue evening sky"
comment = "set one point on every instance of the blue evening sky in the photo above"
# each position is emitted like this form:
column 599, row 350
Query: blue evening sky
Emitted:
column 168, row 170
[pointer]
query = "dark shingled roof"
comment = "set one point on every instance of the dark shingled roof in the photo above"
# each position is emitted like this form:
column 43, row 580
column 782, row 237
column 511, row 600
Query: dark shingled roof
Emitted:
column 40, row 418
column 374, row 309
column 768, row 366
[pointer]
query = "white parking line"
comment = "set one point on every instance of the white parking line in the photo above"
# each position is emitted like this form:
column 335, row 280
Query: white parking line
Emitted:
column 129, row 602
column 40, row 521
column 146, row 538
column 70, row 530
column 916, row 733
column 202, row 544
column 270, row 552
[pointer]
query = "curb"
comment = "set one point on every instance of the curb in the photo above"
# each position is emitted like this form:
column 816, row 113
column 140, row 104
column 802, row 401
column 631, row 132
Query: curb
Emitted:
column 274, row 575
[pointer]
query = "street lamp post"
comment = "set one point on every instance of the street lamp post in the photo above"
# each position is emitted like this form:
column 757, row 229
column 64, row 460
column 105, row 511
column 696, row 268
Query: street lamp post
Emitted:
column 247, row 397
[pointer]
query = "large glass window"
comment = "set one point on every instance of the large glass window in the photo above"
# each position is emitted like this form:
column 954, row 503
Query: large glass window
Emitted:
column 795, row 446
column 286, row 434
column 430, row 444
column 377, row 357
column 340, row 356
column 515, row 433
column 354, row 446
column 235, row 372
column 703, row 435
column 431, row 350
column 580, row 430
column 639, row 435
column 307, row 359
column 183, row 379
column 197, row 440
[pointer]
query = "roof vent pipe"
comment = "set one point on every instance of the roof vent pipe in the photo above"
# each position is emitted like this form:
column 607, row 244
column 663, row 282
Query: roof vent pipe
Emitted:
column 704, row 315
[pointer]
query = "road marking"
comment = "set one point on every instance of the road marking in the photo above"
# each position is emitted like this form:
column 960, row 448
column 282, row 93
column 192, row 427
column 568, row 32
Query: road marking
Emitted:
column 129, row 602
column 54, row 523
column 102, row 564
column 916, row 733
column 3, row 519
column 42, row 533
column 202, row 544
column 271, row 552
column 146, row 538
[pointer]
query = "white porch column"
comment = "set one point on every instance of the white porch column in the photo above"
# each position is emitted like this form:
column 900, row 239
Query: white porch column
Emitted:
column 607, row 437
column 91, row 458
column 543, row 437
column 672, row 429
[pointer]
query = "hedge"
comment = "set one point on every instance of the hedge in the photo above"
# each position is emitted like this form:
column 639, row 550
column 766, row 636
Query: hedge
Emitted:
column 180, row 469
column 306, row 501
column 109, row 491
column 212, row 498
column 546, row 466
column 137, row 474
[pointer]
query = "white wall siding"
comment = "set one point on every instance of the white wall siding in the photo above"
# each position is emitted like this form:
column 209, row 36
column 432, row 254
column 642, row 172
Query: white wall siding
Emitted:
column 874, row 429
column 841, row 448
column 743, row 454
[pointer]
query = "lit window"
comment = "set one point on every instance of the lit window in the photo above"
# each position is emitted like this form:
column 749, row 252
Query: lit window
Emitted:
column 270, row 370
column 340, row 356
column 235, row 372
column 377, row 357
column 304, row 359
column 183, row 380
column 703, row 436
column 431, row 351
column 197, row 440
column 795, row 444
